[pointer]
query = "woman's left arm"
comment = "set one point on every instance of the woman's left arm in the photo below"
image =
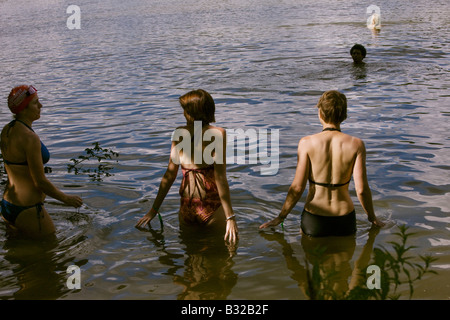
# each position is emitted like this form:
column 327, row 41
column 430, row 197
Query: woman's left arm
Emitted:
column 220, row 175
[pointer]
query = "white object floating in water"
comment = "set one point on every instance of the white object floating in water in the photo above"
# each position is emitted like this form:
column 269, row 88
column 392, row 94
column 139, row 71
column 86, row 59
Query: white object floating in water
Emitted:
column 374, row 20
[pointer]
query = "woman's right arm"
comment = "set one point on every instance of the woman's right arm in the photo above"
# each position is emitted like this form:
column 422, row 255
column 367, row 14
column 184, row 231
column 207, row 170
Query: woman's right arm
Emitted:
column 298, row 184
column 362, row 188
column 166, row 183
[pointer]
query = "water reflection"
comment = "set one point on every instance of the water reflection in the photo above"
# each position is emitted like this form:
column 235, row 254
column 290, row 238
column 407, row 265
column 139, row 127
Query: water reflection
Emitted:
column 36, row 272
column 206, row 273
column 359, row 71
column 331, row 276
column 267, row 62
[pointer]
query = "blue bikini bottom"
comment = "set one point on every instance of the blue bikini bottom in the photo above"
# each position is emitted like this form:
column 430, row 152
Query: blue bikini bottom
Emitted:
column 11, row 211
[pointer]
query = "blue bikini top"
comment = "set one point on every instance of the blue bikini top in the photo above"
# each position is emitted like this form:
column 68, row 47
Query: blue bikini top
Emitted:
column 44, row 151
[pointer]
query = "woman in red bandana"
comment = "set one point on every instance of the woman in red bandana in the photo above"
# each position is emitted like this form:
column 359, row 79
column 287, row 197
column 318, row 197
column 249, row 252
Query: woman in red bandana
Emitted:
column 24, row 156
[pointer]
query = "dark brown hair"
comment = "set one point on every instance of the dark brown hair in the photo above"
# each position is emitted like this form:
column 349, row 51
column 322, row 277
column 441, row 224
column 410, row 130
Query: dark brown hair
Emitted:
column 198, row 106
column 333, row 107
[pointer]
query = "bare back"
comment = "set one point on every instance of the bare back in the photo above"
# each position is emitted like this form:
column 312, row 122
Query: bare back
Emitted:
column 331, row 157
column 19, row 144
column 211, row 155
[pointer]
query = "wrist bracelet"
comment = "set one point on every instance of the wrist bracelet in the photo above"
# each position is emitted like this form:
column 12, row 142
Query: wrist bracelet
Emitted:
column 231, row 217
column 161, row 221
column 159, row 217
column 282, row 220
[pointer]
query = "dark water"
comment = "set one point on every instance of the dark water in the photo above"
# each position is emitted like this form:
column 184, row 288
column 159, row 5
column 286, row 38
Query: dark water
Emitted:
column 116, row 81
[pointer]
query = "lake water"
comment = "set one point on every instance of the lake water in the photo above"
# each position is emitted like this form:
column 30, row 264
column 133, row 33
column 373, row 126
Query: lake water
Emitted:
column 116, row 81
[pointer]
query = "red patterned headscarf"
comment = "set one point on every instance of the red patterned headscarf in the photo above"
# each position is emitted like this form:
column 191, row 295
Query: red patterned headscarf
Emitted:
column 20, row 97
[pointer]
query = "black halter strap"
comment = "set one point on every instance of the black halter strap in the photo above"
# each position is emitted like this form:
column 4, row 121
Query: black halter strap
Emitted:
column 331, row 129
column 12, row 123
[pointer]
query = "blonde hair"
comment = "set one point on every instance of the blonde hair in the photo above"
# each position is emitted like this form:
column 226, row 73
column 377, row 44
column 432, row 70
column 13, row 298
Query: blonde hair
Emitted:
column 333, row 106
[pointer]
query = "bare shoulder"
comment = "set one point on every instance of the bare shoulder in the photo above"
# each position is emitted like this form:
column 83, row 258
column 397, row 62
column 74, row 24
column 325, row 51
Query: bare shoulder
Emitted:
column 20, row 135
column 216, row 128
column 221, row 130
column 357, row 143
column 182, row 127
column 3, row 134
column 305, row 145
column 307, row 141
column 3, row 138
column 30, row 139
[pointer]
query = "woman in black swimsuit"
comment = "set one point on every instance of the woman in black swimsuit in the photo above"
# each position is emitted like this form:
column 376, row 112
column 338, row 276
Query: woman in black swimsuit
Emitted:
column 328, row 160
column 24, row 157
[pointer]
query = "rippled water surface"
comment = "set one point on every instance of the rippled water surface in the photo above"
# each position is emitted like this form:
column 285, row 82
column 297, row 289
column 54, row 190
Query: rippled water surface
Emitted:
column 116, row 81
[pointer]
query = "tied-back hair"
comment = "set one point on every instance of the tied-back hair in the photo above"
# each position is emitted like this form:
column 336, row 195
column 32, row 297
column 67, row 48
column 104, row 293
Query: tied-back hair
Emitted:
column 333, row 107
column 198, row 105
